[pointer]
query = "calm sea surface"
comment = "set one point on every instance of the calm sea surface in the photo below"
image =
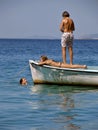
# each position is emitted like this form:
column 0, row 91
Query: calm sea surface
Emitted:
column 45, row 107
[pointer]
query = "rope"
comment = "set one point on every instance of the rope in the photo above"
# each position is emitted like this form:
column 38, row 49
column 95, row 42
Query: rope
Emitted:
column 18, row 73
column 21, row 70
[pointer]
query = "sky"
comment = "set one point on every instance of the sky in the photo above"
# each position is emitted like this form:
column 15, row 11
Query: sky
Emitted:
column 41, row 18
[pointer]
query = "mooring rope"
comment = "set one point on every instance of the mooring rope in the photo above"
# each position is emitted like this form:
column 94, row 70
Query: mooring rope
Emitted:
column 21, row 71
column 17, row 74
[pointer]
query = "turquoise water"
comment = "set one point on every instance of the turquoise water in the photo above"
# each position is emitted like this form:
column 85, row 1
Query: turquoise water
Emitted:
column 45, row 107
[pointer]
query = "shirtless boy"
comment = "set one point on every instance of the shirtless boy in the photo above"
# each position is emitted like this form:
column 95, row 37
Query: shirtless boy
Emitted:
column 67, row 27
column 45, row 61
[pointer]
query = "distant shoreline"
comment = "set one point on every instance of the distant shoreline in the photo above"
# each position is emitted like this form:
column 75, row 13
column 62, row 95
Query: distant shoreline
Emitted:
column 45, row 39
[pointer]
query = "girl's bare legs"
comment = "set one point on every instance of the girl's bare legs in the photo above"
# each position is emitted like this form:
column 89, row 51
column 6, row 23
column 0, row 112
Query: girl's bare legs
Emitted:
column 78, row 66
column 73, row 66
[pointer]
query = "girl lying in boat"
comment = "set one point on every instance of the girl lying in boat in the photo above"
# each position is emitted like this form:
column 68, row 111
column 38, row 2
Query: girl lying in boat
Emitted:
column 45, row 61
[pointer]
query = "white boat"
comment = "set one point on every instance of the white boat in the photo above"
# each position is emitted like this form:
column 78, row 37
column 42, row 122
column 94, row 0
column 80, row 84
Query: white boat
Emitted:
column 54, row 75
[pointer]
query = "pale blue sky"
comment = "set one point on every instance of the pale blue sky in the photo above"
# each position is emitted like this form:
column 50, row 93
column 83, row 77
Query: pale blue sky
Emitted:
column 41, row 18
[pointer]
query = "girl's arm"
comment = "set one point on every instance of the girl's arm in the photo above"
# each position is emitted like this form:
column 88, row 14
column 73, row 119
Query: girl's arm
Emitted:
column 42, row 63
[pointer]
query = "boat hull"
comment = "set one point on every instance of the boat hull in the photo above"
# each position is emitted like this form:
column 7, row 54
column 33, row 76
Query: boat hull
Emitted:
column 54, row 75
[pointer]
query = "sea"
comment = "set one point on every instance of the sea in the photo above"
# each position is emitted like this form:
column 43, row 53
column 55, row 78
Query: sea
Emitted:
column 44, row 106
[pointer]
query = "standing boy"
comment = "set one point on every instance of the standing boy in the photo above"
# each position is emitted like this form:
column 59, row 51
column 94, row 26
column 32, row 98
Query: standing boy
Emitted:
column 67, row 27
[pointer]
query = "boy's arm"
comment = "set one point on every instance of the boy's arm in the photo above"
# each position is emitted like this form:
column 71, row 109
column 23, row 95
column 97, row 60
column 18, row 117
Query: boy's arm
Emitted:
column 61, row 26
column 73, row 26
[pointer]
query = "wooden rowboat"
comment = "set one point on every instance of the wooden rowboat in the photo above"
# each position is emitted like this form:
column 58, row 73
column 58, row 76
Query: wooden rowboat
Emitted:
column 54, row 75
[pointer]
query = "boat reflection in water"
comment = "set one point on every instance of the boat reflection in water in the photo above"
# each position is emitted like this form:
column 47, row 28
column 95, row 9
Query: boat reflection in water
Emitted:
column 62, row 106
